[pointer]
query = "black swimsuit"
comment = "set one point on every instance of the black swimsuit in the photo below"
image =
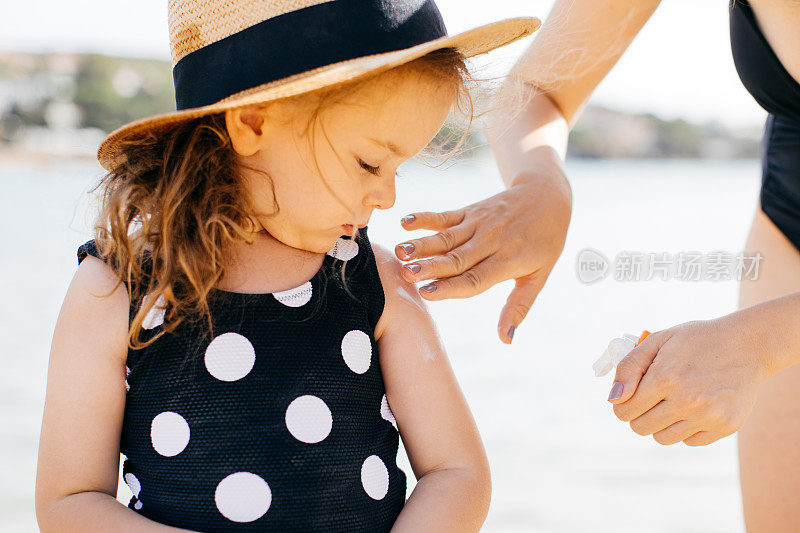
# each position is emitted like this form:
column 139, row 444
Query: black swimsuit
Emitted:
column 778, row 93
column 279, row 422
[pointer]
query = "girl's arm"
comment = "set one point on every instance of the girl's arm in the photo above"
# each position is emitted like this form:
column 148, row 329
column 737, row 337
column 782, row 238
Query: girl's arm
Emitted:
column 437, row 428
column 78, row 469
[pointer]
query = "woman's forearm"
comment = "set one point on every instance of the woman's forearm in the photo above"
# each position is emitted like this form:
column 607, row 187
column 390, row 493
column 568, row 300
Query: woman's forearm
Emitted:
column 533, row 143
column 85, row 512
column 454, row 500
column 578, row 44
column 772, row 329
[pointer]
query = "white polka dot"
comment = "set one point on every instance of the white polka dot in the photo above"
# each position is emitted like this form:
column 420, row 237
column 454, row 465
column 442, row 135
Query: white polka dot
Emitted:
column 133, row 484
column 357, row 351
column 375, row 477
column 155, row 316
column 169, row 433
column 127, row 373
column 136, row 487
column 243, row 497
column 344, row 249
column 229, row 357
column 308, row 419
column 386, row 411
column 296, row 297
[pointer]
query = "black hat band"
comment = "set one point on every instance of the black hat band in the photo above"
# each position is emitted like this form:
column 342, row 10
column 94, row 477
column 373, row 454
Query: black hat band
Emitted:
column 302, row 40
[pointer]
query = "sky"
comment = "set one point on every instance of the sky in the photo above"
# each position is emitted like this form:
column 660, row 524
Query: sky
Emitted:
column 679, row 66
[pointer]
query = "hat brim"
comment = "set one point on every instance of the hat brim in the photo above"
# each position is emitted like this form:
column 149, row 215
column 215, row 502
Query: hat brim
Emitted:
column 469, row 43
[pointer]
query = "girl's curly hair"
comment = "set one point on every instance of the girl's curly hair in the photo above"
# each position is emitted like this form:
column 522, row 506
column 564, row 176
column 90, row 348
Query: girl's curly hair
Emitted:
column 174, row 204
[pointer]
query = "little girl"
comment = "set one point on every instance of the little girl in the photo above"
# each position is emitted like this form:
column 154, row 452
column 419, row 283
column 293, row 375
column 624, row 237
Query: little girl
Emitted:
column 230, row 329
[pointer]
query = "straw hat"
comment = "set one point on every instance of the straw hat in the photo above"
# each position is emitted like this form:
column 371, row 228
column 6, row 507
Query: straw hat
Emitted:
column 230, row 53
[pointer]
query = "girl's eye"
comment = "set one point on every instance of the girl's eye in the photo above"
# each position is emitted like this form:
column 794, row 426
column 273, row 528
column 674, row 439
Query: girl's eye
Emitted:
column 369, row 168
column 374, row 170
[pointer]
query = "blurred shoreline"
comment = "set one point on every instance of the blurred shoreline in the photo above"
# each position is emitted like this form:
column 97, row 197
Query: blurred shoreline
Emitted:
column 65, row 105
column 14, row 154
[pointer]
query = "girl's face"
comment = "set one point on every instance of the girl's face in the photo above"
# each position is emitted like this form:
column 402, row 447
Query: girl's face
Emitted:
column 335, row 170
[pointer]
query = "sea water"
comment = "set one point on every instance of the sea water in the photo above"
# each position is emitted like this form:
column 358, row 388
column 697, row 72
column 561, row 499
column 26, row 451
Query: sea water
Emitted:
column 561, row 461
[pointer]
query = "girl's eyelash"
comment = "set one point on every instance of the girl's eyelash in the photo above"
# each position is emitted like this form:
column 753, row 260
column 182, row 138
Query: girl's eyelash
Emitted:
column 369, row 168
column 373, row 170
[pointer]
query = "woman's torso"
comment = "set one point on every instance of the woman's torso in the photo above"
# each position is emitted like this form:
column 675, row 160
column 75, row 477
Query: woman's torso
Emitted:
column 766, row 51
column 779, row 21
column 278, row 421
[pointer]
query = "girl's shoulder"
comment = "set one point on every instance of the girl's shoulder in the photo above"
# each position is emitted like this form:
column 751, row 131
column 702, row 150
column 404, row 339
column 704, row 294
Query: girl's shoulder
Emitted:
column 97, row 303
column 98, row 273
column 89, row 249
column 386, row 263
column 400, row 296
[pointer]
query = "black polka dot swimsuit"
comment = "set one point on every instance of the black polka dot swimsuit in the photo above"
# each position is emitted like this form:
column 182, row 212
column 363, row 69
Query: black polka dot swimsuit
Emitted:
column 278, row 421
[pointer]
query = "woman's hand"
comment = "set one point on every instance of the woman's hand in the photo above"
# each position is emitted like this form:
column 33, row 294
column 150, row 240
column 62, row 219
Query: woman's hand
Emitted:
column 518, row 233
column 695, row 382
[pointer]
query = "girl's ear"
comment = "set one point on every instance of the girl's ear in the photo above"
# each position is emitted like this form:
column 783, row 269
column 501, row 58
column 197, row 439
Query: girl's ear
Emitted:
column 245, row 128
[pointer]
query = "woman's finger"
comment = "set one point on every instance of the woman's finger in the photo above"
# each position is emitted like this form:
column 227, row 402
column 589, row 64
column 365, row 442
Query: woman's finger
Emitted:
column 702, row 438
column 451, row 263
column 649, row 393
column 436, row 244
column 473, row 281
column 519, row 302
column 433, row 220
column 631, row 369
column 661, row 416
column 675, row 433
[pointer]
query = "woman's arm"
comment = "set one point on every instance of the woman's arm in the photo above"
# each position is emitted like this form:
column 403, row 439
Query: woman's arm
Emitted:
column 437, row 428
column 697, row 382
column 519, row 233
column 76, row 479
column 578, row 44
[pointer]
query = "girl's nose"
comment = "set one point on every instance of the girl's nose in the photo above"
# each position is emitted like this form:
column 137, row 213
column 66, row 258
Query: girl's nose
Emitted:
column 382, row 196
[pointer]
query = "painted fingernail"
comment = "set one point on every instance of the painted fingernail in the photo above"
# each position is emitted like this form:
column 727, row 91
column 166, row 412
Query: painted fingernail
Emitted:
column 413, row 268
column 616, row 391
column 511, row 333
column 407, row 248
column 409, row 218
column 430, row 287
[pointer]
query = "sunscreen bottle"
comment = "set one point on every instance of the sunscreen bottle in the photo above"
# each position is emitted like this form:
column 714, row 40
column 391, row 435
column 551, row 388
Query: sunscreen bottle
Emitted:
column 617, row 349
